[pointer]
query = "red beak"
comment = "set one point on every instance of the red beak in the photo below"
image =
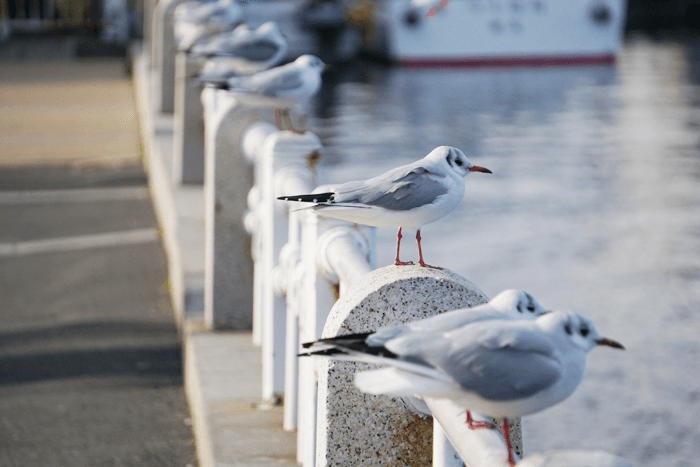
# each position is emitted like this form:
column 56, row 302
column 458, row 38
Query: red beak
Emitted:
column 610, row 343
column 476, row 168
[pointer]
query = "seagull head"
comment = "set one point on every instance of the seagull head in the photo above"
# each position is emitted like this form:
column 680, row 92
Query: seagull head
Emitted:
column 575, row 329
column 272, row 31
column 455, row 160
column 518, row 304
column 311, row 61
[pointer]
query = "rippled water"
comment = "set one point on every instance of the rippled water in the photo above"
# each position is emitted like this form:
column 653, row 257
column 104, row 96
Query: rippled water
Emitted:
column 594, row 206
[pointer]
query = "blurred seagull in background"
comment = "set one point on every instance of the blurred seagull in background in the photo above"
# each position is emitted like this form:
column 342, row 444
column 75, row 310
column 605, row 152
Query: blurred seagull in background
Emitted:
column 405, row 197
column 293, row 84
column 243, row 51
column 194, row 21
column 499, row 368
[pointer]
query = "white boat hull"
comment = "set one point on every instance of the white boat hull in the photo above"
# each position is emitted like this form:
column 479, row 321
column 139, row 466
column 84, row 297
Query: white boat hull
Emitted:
column 503, row 32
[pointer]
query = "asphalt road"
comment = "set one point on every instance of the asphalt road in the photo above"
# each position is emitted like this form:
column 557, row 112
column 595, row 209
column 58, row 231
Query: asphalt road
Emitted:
column 90, row 357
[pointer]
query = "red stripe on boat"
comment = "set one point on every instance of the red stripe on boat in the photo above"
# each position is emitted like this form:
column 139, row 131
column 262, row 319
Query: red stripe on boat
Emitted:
column 490, row 62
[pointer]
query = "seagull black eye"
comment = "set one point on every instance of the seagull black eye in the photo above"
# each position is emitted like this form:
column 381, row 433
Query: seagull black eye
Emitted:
column 531, row 309
column 584, row 331
column 459, row 162
column 567, row 328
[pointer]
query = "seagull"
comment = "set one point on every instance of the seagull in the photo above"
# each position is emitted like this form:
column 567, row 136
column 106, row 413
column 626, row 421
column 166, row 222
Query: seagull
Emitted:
column 243, row 51
column 195, row 21
column 511, row 304
column 500, row 368
column 293, row 84
column 406, row 197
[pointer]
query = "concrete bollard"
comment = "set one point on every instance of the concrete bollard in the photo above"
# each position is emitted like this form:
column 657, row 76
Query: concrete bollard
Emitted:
column 188, row 122
column 228, row 292
column 361, row 429
column 148, row 9
column 163, row 53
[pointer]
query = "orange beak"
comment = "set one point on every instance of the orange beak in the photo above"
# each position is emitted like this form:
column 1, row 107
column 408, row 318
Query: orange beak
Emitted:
column 610, row 343
column 476, row 168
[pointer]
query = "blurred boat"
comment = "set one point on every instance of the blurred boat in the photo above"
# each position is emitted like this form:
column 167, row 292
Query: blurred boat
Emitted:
column 433, row 33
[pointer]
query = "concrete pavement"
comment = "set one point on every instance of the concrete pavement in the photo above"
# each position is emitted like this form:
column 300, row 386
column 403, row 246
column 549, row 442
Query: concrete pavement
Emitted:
column 91, row 359
column 223, row 371
column 90, row 355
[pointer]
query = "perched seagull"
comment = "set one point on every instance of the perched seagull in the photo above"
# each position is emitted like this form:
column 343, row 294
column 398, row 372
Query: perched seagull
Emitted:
column 511, row 304
column 500, row 368
column 243, row 51
column 293, row 84
column 406, row 197
column 195, row 21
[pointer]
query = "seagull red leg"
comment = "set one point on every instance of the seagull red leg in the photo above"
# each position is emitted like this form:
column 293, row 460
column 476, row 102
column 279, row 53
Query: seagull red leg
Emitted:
column 278, row 119
column 505, row 429
column 474, row 425
column 397, row 262
column 420, row 253
column 291, row 123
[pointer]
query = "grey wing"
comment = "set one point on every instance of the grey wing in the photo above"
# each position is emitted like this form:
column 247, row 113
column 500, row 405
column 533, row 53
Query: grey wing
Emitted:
column 516, row 365
column 259, row 50
column 275, row 82
column 414, row 189
column 497, row 361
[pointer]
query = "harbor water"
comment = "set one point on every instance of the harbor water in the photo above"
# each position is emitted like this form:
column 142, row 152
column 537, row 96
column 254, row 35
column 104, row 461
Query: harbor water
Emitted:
column 593, row 206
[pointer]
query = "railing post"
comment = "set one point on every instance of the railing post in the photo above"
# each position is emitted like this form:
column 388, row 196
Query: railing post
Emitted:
column 148, row 9
column 163, row 53
column 188, row 122
column 325, row 275
column 444, row 454
column 285, row 162
column 253, row 140
column 476, row 447
column 228, row 292
column 317, row 297
column 350, row 421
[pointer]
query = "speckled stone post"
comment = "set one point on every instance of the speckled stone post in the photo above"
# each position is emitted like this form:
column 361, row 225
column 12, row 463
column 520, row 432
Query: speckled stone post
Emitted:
column 228, row 276
column 361, row 429
column 188, row 121
column 163, row 53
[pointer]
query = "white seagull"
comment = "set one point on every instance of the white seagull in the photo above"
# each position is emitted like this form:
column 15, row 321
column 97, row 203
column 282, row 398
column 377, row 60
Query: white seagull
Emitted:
column 406, row 197
column 293, row 84
column 194, row 21
column 503, row 369
column 511, row 304
column 243, row 51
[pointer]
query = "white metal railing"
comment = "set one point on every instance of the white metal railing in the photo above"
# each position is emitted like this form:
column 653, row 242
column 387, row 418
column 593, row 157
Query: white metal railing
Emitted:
column 301, row 266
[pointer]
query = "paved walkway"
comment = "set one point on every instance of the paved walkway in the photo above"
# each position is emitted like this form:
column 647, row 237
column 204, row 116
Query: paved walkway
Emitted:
column 90, row 357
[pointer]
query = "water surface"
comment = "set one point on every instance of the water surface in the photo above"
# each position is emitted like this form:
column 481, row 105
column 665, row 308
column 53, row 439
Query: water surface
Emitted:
column 594, row 206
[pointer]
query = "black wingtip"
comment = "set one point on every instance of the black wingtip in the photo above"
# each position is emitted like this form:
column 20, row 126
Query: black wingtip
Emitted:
column 311, row 198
